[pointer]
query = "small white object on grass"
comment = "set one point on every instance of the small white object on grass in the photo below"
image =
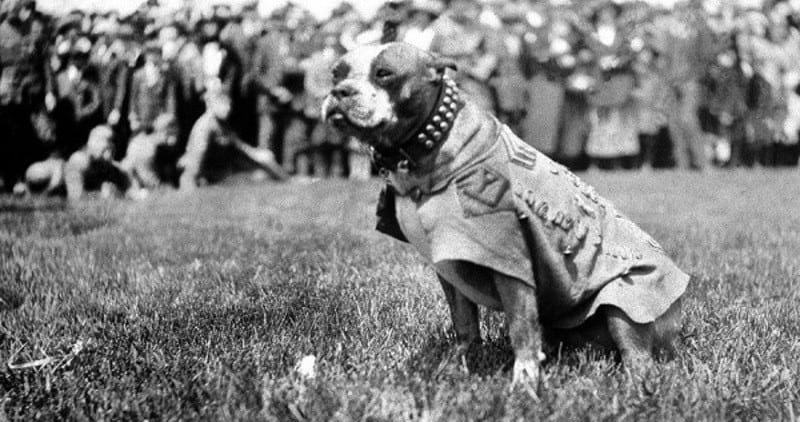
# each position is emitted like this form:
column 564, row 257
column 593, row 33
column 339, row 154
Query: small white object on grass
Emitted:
column 305, row 367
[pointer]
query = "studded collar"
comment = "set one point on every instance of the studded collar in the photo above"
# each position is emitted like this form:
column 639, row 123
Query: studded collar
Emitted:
column 430, row 135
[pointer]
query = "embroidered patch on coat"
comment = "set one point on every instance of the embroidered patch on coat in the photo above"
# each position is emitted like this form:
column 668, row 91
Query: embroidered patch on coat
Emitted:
column 520, row 153
column 481, row 191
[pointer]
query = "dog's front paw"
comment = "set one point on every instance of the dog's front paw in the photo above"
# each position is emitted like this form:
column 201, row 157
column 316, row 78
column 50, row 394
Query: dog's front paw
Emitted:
column 456, row 359
column 526, row 376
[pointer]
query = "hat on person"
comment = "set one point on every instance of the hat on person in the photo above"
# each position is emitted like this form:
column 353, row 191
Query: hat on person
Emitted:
column 512, row 12
column 152, row 46
column 63, row 47
column 393, row 11
column 68, row 22
column 105, row 26
column 82, row 46
column 433, row 7
column 12, row 7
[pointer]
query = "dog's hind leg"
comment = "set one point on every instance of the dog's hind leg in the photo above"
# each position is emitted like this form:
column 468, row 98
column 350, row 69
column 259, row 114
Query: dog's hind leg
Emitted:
column 524, row 331
column 637, row 342
column 464, row 314
column 666, row 329
column 634, row 341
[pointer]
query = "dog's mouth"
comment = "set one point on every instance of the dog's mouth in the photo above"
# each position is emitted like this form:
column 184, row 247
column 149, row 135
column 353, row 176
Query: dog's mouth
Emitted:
column 355, row 120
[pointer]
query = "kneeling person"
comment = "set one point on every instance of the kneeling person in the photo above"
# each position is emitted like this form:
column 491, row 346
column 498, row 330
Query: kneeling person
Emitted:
column 92, row 168
column 149, row 158
column 213, row 147
column 46, row 176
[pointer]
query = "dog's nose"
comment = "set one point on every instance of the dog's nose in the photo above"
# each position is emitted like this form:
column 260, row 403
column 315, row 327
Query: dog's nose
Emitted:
column 344, row 91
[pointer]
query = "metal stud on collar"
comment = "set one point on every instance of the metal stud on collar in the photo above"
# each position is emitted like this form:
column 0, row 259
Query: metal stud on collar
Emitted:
column 403, row 166
column 443, row 118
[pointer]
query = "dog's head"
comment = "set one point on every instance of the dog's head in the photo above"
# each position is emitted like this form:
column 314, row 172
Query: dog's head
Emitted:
column 382, row 93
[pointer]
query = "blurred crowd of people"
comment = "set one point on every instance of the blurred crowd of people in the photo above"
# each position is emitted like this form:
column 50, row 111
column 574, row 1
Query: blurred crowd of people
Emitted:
column 124, row 104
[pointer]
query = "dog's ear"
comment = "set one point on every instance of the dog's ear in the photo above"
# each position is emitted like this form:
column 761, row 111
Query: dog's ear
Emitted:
column 440, row 64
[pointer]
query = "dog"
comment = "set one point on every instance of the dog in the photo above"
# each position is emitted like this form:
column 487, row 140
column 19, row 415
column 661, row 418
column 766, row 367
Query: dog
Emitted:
column 504, row 226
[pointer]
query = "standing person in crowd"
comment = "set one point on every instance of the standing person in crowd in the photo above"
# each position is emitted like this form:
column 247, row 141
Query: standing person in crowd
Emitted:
column 326, row 147
column 78, row 98
column 117, row 63
column 759, row 121
column 508, row 83
column 153, row 95
column 787, row 41
column 185, row 65
column 222, row 67
column 725, row 93
column 22, row 87
column 771, row 53
column 683, row 38
column 290, row 93
column 613, row 139
column 460, row 36
column 652, row 96
column 549, row 63
column 244, row 35
column 152, row 91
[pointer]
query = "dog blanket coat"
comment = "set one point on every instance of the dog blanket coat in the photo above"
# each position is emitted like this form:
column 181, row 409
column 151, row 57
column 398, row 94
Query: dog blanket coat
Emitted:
column 489, row 190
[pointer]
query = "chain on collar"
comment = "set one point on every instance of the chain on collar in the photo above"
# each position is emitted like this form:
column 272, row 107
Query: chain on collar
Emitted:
column 431, row 134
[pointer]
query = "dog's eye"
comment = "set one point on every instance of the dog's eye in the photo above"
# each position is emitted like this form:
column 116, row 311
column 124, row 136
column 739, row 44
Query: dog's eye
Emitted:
column 383, row 73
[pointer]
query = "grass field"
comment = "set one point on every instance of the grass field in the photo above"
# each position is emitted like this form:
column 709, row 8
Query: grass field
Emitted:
column 198, row 307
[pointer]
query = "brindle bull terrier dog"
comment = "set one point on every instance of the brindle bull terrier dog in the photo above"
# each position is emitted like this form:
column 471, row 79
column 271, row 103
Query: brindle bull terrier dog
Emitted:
column 504, row 226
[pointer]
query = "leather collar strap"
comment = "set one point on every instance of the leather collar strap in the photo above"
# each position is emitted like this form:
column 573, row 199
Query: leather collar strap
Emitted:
column 430, row 135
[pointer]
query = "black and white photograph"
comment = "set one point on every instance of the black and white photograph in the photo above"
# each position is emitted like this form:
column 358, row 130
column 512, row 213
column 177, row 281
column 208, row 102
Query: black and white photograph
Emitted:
column 399, row 210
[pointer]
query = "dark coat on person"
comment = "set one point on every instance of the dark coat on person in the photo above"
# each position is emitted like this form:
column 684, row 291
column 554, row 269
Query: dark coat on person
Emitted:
column 78, row 108
column 22, row 88
column 150, row 99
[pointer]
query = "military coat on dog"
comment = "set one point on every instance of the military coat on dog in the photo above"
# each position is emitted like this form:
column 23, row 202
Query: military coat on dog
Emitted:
column 495, row 201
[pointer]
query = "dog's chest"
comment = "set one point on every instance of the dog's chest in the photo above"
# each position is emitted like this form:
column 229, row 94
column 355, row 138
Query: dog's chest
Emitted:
column 412, row 225
column 421, row 232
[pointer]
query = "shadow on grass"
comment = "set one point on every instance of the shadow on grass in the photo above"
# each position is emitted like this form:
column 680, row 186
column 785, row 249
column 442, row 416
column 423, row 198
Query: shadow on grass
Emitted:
column 27, row 208
column 436, row 357
column 494, row 356
column 52, row 222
